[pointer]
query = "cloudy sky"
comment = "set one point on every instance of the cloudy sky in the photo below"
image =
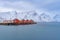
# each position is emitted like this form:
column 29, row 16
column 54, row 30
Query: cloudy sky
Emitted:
column 49, row 6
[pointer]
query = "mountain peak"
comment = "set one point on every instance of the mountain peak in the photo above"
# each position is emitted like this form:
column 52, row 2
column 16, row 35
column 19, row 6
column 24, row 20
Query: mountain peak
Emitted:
column 42, row 17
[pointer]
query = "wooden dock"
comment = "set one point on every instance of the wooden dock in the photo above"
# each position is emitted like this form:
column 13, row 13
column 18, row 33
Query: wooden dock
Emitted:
column 16, row 23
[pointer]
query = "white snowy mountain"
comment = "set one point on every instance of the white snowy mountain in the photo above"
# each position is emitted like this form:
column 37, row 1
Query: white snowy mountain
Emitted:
column 57, row 17
column 38, row 17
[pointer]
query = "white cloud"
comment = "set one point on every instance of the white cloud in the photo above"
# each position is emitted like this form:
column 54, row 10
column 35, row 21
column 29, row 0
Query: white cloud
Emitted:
column 21, row 5
column 5, row 9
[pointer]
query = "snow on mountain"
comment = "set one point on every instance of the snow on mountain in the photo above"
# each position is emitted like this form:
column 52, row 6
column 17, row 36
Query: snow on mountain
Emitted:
column 38, row 17
column 57, row 17
column 44, row 17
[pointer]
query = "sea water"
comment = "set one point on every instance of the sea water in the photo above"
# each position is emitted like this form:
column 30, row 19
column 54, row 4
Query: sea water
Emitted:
column 39, row 31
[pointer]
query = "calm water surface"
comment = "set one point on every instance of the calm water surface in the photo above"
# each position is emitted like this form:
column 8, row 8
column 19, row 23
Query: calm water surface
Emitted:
column 40, row 31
